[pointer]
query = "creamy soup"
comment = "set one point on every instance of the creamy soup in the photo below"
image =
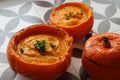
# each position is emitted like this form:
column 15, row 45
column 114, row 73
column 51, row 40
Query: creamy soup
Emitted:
column 69, row 16
column 42, row 48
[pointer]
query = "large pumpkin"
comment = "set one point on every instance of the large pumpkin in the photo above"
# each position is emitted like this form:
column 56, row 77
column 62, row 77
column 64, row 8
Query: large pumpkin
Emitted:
column 101, row 56
column 74, row 17
column 40, row 52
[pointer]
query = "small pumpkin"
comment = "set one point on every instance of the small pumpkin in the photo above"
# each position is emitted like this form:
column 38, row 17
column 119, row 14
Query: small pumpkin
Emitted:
column 74, row 17
column 40, row 52
column 101, row 56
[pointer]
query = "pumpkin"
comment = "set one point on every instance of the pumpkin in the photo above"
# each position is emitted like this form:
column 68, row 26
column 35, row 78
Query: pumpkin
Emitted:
column 40, row 52
column 76, row 18
column 101, row 56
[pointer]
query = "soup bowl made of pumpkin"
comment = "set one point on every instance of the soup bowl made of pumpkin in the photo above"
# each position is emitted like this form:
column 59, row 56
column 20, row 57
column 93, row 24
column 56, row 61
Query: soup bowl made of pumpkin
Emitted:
column 101, row 56
column 40, row 52
column 74, row 17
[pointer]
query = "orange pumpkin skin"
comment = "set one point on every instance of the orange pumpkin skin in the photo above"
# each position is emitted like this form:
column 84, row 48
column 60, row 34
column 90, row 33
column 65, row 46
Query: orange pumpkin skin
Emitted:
column 83, row 28
column 35, row 71
column 99, row 62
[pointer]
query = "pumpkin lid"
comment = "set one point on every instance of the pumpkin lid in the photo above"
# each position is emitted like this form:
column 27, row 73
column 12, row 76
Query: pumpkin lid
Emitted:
column 103, row 49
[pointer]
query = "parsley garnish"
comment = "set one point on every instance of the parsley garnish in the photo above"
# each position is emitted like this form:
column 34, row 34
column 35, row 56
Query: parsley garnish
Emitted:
column 67, row 17
column 21, row 50
column 52, row 45
column 70, row 13
column 40, row 46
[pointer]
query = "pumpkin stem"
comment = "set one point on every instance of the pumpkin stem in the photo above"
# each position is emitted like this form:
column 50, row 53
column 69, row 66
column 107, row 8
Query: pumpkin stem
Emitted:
column 106, row 43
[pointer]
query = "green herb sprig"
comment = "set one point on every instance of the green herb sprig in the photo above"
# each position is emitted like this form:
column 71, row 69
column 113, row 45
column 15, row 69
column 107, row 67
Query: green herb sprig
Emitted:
column 70, row 13
column 67, row 17
column 40, row 46
column 52, row 45
column 21, row 50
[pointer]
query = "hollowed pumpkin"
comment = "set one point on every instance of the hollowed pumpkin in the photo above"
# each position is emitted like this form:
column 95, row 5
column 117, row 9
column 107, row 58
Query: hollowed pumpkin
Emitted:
column 74, row 17
column 40, row 52
column 101, row 56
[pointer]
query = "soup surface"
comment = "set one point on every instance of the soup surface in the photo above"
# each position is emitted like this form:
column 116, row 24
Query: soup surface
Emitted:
column 42, row 48
column 69, row 16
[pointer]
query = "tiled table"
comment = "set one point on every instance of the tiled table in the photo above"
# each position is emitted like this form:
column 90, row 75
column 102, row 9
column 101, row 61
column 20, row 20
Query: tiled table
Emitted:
column 18, row 14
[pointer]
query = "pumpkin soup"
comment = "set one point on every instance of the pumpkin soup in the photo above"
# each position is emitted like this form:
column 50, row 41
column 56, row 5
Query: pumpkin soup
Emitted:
column 69, row 16
column 42, row 48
